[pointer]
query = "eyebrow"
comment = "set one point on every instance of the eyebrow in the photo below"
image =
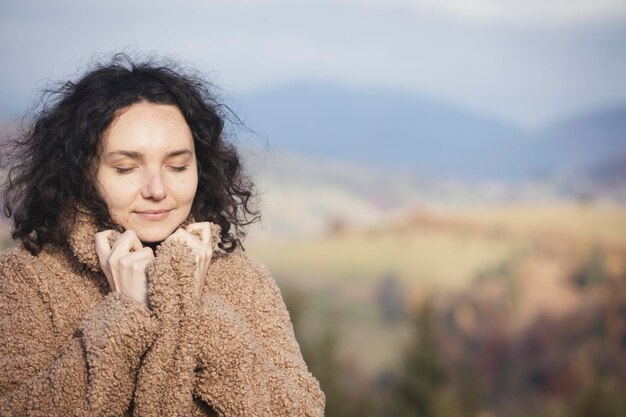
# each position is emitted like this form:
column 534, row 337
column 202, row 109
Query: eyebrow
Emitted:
column 139, row 155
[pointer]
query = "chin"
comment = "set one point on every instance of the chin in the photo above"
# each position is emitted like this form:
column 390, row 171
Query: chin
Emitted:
column 156, row 235
column 152, row 240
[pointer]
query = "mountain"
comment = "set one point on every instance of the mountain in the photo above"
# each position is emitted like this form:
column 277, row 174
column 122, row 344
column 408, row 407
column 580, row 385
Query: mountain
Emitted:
column 385, row 128
column 611, row 172
column 429, row 136
column 581, row 143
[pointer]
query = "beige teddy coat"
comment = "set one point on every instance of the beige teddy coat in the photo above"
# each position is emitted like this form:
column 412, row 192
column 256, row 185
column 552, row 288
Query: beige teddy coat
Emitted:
column 71, row 347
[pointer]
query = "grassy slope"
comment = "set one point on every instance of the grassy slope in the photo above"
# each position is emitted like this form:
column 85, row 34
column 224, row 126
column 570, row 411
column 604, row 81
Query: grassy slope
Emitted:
column 439, row 249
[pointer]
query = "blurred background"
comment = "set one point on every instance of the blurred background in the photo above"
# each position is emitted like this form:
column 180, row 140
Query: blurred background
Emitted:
column 442, row 182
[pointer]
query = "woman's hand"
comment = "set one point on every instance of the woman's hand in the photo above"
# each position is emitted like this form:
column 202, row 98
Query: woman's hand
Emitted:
column 201, row 248
column 125, row 264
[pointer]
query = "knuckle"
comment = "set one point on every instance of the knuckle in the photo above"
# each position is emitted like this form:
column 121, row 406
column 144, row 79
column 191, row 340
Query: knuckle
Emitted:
column 110, row 262
column 103, row 233
column 125, row 262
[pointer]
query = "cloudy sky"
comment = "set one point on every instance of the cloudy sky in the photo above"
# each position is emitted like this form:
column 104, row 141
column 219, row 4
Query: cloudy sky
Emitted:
column 530, row 62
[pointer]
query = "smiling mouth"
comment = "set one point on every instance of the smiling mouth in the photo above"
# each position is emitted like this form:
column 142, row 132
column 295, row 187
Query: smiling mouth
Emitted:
column 153, row 214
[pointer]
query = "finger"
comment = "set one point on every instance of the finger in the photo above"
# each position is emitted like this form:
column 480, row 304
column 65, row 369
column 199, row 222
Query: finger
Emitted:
column 127, row 242
column 143, row 256
column 103, row 249
column 134, row 262
column 185, row 236
column 145, row 252
column 203, row 230
column 136, row 243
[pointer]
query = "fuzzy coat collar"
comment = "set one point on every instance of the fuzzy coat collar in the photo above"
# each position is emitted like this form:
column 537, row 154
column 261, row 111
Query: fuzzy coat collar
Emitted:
column 82, row 242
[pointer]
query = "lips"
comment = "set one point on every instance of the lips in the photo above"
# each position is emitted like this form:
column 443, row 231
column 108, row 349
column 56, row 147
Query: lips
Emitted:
column 153, row 214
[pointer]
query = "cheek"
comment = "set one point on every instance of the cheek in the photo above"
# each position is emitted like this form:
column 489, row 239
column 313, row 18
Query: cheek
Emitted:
column 117, row 194
column 185, row 189
column 187, row 193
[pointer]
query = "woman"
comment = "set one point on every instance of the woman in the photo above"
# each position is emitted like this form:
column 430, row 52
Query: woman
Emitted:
column 130, row 293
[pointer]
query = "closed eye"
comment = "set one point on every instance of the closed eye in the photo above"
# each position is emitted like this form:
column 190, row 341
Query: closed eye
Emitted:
column 120, row 170
column 179, row 168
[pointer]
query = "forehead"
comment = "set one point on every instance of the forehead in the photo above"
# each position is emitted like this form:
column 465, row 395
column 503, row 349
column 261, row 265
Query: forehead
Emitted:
column 148, row 126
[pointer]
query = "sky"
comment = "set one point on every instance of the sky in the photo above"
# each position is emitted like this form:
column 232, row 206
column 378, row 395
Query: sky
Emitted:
column 528, row 62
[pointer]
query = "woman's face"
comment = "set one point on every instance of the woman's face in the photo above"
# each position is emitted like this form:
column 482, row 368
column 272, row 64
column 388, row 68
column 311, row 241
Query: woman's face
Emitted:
column 147, row 172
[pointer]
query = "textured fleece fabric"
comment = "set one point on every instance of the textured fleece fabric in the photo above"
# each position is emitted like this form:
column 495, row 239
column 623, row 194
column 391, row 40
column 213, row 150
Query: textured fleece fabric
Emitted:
column 71, row 347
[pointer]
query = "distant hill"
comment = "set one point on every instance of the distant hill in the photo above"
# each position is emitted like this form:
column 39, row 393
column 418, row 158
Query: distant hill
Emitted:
column 389, row 129
column 612, row 172
column 581, row 143
column 427, row 135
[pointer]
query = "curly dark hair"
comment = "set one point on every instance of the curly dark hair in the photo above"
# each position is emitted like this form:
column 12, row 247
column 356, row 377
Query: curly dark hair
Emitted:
column 50, row 165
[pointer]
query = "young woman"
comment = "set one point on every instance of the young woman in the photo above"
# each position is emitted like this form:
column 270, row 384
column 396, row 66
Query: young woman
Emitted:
column 129, row 292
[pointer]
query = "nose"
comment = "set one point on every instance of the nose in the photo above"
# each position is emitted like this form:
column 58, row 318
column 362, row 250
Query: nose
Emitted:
column 154, row 187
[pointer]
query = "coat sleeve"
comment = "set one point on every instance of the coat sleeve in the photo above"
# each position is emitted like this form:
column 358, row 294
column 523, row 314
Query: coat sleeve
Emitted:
column 90, row 373
column 165, row 378
column 249, row 363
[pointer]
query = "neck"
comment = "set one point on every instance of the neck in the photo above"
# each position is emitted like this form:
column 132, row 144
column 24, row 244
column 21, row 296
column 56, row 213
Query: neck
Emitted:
column 151, row 245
